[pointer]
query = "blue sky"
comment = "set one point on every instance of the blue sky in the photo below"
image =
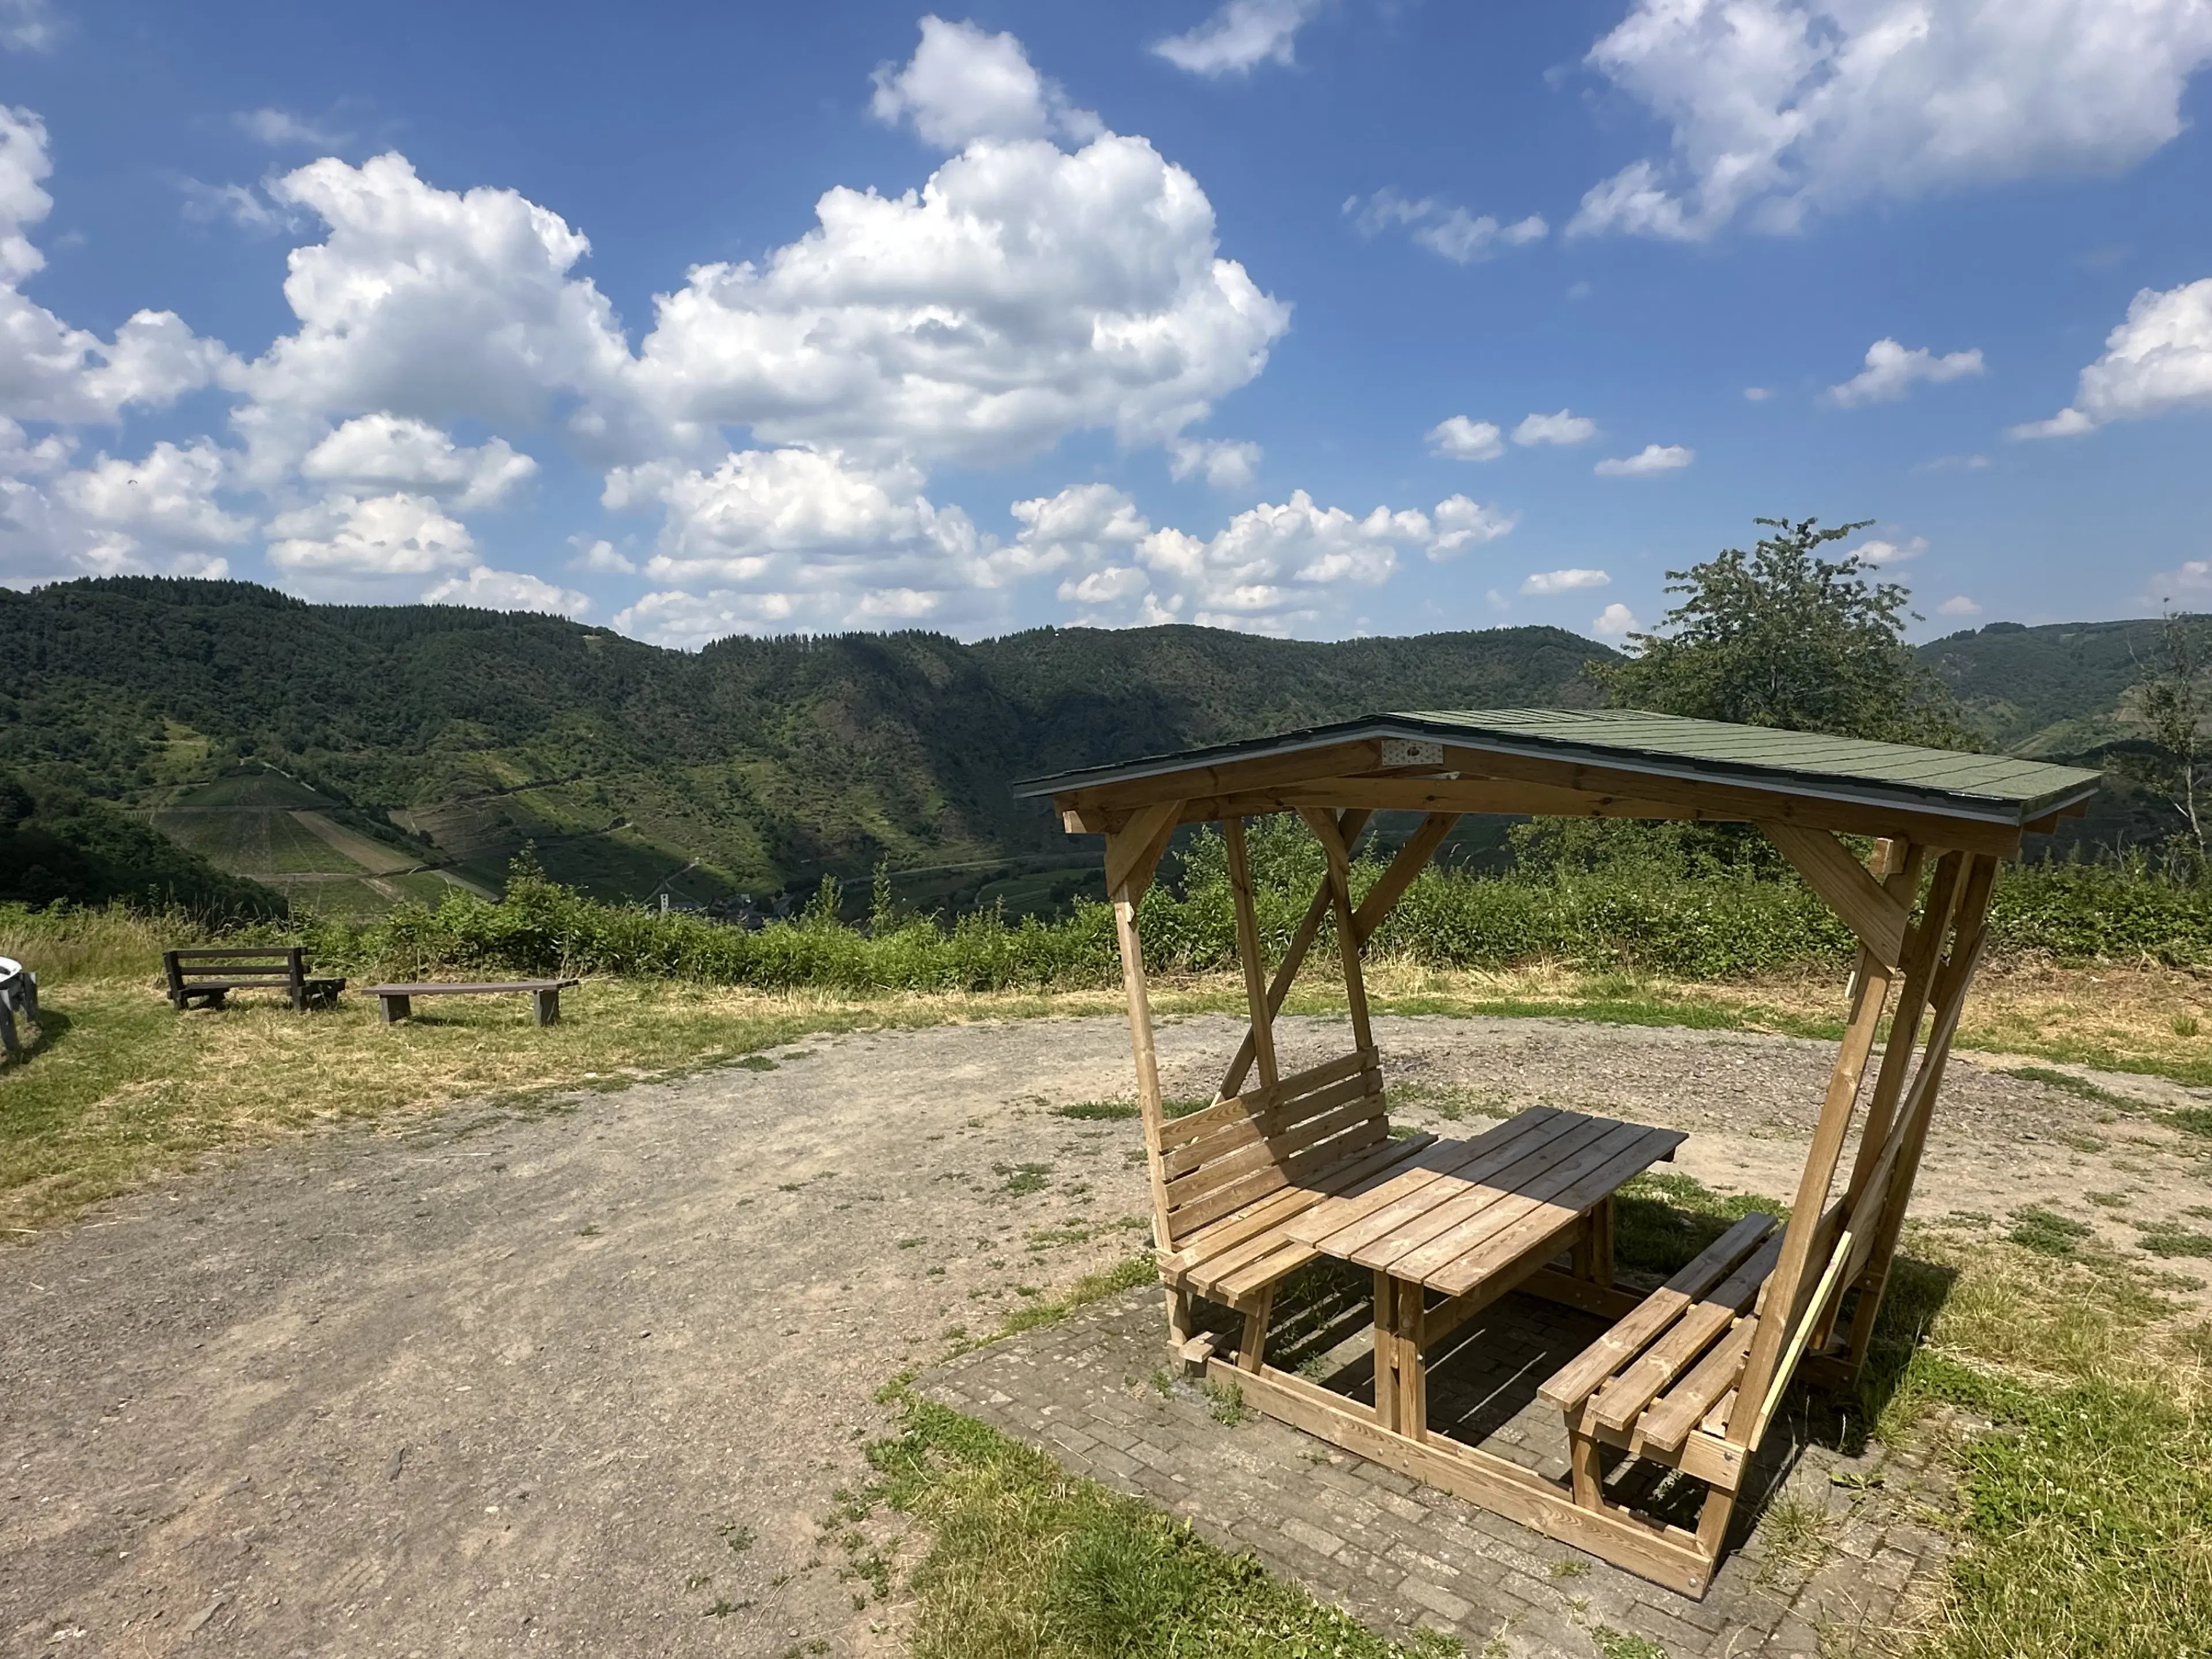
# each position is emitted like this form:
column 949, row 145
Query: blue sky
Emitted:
column 1314, row 317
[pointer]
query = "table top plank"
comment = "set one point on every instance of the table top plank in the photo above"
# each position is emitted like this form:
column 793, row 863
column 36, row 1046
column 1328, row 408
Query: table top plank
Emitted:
column 1473, row 1208
column 1534, row 1183
column 1343, row 1227
column 1465, row 1210
column 1505, row 1247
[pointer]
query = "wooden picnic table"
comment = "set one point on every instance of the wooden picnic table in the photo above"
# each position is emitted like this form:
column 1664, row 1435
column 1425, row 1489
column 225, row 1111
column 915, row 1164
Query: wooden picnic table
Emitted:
column 1466, row 1221
column 395, row 1000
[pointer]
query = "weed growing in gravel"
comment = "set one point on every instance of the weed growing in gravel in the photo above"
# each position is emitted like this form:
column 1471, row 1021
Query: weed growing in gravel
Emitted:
column 2168, row 1240
column 1619, row 1644
column 2037, row 1228
column 1096, row 1111
column 1023, row 1179
column 1225, row 1402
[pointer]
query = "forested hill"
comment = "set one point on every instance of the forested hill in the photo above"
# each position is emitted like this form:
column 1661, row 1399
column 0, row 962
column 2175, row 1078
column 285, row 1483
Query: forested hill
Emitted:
column 2056, row 692
column 433, row 736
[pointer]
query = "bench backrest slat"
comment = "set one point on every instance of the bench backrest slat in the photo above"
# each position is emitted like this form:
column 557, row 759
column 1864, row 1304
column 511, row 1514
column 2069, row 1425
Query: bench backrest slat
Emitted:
column 1238, row 1151
column 188, row 967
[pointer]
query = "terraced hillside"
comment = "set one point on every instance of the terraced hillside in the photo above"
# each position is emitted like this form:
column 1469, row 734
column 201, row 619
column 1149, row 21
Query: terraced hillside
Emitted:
column 248, row 724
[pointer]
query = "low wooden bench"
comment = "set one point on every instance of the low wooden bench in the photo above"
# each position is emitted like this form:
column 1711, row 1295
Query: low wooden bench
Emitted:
column 1237, row 1174
column 397, row 1000
column 208, row 975
column 1662, row 1384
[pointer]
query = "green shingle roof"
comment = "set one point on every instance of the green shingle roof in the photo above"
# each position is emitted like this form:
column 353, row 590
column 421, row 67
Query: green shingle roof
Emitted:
column 1988, row 787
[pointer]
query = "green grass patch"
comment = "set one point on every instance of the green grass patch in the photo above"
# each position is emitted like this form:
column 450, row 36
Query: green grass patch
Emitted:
column 1025, row 1560
column 2051, row 1078
column 1663, row 1218
column 2047, row 1233
column 2192, row 1119
column 1096, row 1111
column 2169, row 1240
column 1124, row 1275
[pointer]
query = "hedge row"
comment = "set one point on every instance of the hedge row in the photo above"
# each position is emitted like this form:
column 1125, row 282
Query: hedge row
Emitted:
column 1704, row 927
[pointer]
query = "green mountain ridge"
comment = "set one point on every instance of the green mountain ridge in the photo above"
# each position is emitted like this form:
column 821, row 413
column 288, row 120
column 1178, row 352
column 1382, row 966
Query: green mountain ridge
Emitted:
column 261, row 730
column 353, row 756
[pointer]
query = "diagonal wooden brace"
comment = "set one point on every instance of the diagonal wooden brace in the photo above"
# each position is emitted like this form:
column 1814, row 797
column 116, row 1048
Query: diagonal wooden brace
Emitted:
column 1855, row 896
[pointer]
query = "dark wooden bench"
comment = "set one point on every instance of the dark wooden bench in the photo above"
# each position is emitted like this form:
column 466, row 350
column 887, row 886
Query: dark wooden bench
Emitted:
column 208, row 975
column 396, row 998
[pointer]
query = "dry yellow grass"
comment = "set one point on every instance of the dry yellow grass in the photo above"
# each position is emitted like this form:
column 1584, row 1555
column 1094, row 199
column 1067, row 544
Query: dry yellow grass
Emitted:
column 120, row 1088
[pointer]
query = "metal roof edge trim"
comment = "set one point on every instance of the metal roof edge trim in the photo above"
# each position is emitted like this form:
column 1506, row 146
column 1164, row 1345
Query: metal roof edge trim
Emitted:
column 2011, row 816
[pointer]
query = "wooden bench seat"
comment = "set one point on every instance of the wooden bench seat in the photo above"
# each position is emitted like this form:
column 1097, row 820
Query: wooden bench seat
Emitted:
column 208, row 975
column 1233, row 1260
column 396, row 1001
column 1231, row 1178
column 1671, row 1366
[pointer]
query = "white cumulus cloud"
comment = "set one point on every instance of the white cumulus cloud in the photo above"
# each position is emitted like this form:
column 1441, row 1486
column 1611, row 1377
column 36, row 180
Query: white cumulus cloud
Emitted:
column 1614, row 620
column 1460, row 439
column 1781, row 108
column 430, row 303
column 507, row 590
column 1242, row 35
column 1272, row 568
column 161, row 514
column 1565, row 581
column 1563, row 428
column 50, row 371
column 1226, row 462
column 1022, row 294
column 1958, row 606
column 1879, row 553
column 1648, row 461
column 791, row 538
column 2159, row 360
column 1453, row 232
column 1891, row 371
column 962, row 84
column 353, row 537
column 394, row 451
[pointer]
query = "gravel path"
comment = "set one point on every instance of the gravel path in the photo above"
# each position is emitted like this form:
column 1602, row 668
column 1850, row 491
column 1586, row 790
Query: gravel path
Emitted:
column 569, row 1383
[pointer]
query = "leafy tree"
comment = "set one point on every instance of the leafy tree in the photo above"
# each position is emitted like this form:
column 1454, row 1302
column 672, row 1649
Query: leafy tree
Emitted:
column 2171, row 700
column 1782, row 636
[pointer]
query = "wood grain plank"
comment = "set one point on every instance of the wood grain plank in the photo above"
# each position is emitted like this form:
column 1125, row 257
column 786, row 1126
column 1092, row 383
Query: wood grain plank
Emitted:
column 1580, row 1376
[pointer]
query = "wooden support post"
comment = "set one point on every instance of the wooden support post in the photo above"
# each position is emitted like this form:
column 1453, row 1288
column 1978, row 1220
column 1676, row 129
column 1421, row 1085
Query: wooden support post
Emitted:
column 1133, row 870
column 1412, row 1369
column 1923, row 954
column 1252, row 1350
column 1585, row 1474
column 1338, row 849
column 547, row 1010
column 1713, row 1522
column 1386, row 1351
column 1593, row 1249
column 1248, row 951
column 1287, row 970
column 1967, row 942
column 1784, row 1291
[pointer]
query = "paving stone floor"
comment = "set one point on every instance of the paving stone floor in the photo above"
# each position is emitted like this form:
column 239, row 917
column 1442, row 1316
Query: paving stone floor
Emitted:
column 1401, row 1556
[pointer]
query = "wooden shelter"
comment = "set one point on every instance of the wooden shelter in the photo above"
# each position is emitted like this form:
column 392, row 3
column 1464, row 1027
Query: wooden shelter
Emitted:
column 1283, row 1170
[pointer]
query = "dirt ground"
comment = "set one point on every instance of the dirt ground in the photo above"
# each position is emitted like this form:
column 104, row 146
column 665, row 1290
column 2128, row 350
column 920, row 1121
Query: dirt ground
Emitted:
column 585, row 1382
